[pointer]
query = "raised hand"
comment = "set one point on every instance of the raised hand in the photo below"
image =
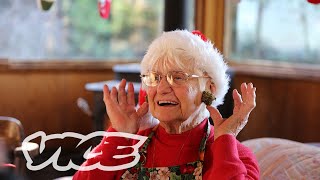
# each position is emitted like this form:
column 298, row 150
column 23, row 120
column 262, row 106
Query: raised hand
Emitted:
column 243, row 105
column 121, row 108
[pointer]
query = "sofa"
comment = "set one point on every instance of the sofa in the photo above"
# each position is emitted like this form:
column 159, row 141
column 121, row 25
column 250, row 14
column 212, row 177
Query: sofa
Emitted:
column 285, row 159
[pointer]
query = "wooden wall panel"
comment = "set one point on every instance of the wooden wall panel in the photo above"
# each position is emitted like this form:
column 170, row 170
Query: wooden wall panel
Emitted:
column 46, row 100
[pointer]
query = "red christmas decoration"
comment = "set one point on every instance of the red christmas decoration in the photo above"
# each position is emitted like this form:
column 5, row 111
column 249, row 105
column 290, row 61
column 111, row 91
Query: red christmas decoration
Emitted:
column 199, row 33
column 314, row 1
column 104, row 8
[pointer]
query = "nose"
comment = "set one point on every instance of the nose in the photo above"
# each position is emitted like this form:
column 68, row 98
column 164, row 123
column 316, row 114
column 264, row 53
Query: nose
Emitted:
column 164, row 86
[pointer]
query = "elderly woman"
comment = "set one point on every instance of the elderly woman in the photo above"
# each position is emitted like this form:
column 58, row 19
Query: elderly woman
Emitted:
column 185, row 78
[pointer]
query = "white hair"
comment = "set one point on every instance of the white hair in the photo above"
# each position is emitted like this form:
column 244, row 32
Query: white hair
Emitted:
column 188, row 52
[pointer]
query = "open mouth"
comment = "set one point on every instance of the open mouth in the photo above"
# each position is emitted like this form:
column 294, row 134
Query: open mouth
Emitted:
column 167, row 103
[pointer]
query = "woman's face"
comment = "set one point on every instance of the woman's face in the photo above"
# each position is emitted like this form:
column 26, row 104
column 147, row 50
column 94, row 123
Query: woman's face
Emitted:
column 173, row 103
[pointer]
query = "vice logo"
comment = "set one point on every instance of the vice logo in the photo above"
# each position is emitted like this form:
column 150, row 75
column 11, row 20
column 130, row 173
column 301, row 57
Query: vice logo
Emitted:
column 87, row 155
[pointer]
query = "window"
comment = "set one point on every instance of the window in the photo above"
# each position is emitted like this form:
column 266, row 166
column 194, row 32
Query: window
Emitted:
column 276, row 30
column 73, row 29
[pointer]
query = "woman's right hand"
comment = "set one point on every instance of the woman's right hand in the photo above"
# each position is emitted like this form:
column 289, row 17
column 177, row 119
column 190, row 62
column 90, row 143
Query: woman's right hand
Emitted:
column 121, row 108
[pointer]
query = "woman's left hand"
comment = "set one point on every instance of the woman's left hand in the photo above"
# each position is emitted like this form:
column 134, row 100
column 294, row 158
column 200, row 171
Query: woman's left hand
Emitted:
column 243, row 105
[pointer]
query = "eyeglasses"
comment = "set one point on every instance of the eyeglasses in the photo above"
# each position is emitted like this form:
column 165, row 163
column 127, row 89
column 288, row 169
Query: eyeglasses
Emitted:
column 174, row 78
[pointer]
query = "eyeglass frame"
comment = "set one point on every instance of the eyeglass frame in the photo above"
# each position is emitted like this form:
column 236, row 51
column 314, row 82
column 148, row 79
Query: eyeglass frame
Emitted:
column 170, row 80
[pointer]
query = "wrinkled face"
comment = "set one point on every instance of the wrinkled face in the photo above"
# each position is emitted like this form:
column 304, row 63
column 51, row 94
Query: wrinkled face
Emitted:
column 170, row 103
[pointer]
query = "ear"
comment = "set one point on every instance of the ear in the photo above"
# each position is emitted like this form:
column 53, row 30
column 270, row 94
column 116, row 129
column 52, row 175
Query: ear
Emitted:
column 210, row 86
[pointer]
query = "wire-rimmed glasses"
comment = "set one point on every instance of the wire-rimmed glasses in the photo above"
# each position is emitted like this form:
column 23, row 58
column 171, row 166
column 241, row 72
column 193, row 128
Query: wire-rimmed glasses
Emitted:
column 174, row 78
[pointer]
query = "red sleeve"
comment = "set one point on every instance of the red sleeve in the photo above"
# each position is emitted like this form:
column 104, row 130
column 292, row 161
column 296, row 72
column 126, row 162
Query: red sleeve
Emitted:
column 231, row 160
column 108, row 151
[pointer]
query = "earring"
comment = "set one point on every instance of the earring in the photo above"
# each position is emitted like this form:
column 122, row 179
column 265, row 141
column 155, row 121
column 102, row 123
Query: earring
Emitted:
column 207, row 98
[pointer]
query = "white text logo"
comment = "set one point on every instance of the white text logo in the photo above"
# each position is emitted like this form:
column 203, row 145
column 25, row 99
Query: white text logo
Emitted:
column 54, row 158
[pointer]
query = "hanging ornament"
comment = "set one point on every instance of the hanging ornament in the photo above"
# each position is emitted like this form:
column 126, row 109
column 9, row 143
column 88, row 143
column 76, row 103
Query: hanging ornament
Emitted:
column 314, row 1
column 45, row 5
column 104, row 8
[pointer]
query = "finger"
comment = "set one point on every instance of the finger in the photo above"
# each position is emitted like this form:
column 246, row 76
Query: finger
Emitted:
column 130, row 97
column 143, row 109
column 237, row 100
column 106, row 94
column 114, row 95
column 105, row 91
column 215, row 115
column 251, row 97
column 250, row 86
column 250, row 89
column 243, row 89
column 122, row 97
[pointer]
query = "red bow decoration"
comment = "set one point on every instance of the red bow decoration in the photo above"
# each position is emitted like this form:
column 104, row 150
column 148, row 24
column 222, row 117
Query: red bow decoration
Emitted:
column 314, row 1
column 104, row 8
column 202, row 36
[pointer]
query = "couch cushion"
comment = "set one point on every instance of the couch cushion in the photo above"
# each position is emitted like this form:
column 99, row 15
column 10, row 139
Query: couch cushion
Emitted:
column 285, row 159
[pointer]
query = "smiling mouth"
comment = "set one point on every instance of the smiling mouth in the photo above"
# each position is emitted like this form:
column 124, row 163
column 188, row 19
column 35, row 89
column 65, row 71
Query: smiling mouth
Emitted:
column 167, row 103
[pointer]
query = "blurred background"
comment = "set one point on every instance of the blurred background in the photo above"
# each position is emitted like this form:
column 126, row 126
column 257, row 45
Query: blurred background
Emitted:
column 49, row 59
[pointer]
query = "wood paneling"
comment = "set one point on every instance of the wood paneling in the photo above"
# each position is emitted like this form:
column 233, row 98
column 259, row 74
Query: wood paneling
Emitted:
column 46, row 100
column 286, row 108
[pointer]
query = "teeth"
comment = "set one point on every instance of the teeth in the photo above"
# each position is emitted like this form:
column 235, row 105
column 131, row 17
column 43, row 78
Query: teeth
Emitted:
column 167, row 102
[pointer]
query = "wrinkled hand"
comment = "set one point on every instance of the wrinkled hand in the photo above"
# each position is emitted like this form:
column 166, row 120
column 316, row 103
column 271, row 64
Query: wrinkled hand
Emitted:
column 121, row 109
column 242, row 108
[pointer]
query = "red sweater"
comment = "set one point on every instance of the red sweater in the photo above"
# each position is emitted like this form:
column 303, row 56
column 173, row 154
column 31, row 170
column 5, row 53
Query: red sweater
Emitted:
column 225, row 158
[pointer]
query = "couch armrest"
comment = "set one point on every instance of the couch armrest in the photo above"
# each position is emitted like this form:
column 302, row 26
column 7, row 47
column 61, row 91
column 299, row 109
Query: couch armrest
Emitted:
column 285, row 159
